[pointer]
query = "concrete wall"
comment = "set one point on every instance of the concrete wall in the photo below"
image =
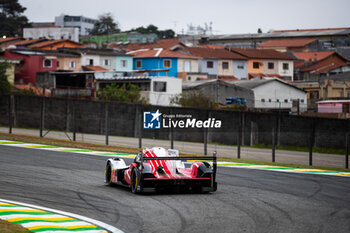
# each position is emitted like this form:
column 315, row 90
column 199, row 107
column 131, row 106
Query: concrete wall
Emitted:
column 173, row 87
column 218, row 91
column 52, row 33
column 124, row 120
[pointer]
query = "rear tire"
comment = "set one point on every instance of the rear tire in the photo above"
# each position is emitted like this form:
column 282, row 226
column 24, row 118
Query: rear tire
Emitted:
column 109, row 174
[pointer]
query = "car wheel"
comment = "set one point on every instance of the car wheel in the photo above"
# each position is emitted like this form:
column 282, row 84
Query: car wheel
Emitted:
column 134, row 181
column 109, row 174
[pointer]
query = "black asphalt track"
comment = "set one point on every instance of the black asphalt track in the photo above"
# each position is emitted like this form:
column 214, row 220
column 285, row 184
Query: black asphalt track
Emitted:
column 246, row 200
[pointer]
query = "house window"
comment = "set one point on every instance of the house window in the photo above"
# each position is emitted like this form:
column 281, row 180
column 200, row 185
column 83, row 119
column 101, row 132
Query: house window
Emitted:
column 270, row 100
column 189, row 78
column 225, row 65
column 47, row 63
column 123, row 63
column 91, row 62
column 139, row 64
column 286, row 100
column 167, row 63
column 256, row 65
column 107, row 62
column 302, row 101
column 285, row 66
column 241, row 67
column 58, row 64
column 72, row 64
column 210, row 64
column 159, row 86
column 270, row 65
column 278, row 100
column 262, row 100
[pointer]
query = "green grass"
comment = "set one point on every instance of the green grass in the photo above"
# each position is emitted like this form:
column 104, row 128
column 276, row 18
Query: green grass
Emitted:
column 7, row 227
column 303, row 149
column 119, row 149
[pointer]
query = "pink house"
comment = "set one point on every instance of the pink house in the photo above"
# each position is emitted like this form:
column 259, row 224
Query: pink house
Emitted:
column 334, row 106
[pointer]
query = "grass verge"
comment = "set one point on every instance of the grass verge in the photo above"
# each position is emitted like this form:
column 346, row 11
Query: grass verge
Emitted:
column 119, row 149
column 7, row 227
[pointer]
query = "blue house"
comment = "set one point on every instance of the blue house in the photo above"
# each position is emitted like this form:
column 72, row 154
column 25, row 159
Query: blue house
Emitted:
column 160, row 62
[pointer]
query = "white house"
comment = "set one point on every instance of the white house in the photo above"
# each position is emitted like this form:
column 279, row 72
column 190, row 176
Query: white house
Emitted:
column 274, row 94
column 156, row 90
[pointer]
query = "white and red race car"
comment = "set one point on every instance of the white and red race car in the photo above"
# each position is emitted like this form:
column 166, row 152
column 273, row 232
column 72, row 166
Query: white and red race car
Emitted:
column 157, row 168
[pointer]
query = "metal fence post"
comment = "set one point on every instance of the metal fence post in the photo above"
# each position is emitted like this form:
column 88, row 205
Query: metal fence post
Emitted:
column 171, row 133
column 312, row 140
column 106, row 122
column 10, row 114
column 273, row 144
column 206, row 137
column 140, row 125
column 239, row 139
column 42, row 105
column 74, row 123
column 347, row 150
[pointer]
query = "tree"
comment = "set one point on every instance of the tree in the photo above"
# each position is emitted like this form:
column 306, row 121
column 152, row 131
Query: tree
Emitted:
column 5, row 86
column 162, row 34
column 259, row 30
column 193, row 99
column 128, row 93
column 105, row 25
column 11, row 19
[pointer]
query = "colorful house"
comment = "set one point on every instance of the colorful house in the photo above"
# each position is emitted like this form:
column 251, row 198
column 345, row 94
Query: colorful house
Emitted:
column 267, row 62
column 31, row 62
column 219, row 63
column 108, row 59
column 163, row 62
column 313, row 65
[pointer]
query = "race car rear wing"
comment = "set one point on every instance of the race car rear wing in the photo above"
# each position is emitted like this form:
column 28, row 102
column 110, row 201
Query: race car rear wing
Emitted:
column 205, row 158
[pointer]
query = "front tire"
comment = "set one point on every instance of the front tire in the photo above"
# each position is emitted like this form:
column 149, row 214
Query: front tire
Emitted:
column 134, row 181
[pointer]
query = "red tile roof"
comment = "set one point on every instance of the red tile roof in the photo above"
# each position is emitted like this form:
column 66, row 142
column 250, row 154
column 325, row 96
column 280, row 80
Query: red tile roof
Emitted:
column 313, row 56
column 159, row 53
column 319, row 62
column 50, row 42
column 310, row 30
column 211, row 46
column 94, row 68
column 27, row 42
column 262, row 54
column 214, row 53
column 7, row 39
column 162, row 43
column 287, row 43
